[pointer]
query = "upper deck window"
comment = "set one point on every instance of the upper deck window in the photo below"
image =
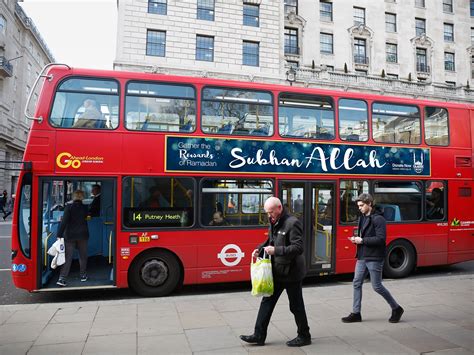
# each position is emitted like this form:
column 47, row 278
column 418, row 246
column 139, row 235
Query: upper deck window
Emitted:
column 396, row 123
column 235, row 111
column 436, row 126
column 160, row 107
column 86, row 103
column 353, row 120
column 306, row 116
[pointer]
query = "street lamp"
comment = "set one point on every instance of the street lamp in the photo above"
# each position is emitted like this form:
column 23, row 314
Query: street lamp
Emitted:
column 291, row 75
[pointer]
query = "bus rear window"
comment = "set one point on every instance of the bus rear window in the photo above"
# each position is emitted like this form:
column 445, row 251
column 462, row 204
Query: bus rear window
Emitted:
column 160, row 107
column 86, row 104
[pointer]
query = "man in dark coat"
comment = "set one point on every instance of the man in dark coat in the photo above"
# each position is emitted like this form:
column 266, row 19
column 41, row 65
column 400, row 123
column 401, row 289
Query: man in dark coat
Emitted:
column 73, row 229
column 370, row 258
column 94, row 207
column 285, row 244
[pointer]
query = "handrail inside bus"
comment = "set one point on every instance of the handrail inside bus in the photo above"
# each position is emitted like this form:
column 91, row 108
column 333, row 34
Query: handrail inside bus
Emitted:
column 41, row 75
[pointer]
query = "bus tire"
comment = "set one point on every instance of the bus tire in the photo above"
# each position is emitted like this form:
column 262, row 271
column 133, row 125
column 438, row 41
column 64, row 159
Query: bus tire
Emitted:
column 155, row 273
column 400, row 260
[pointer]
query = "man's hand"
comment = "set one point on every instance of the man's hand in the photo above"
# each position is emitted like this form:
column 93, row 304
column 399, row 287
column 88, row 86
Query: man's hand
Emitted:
column 358, row 240
column 270, row 250
column 255, row 253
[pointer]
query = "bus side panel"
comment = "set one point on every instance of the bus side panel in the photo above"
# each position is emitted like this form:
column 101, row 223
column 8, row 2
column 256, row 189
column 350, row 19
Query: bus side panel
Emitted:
column 461, row 221
column 226, row 257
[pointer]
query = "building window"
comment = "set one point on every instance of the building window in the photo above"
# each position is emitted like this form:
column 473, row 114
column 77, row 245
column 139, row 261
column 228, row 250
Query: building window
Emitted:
column 448, row 32
column 360, row 53
column 251, row 15
column 251, row 54
column 157, row 7
column 359, row 16
column 205, row 48
column 156, row 43
column 390, row 22
column 3, row 24
column 420, row 26
column 449, row 61
column 391, row 53
column 420, row 3
column 291, row 6
column 472, row 8
column 448, row 6
column 291, row 41
column 326, row 43
column 205, row 10
column 325, row 11
column 421, row 64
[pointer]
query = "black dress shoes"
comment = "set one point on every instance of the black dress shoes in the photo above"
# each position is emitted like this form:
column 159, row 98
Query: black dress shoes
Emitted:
column 299, row 341
column 253, row 339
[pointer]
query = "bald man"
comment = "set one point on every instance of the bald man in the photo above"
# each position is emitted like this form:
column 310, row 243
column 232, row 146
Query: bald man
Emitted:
column 285, row 244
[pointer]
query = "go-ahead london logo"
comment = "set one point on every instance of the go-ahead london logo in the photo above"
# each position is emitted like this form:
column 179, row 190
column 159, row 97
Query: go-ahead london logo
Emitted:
column 66, row 160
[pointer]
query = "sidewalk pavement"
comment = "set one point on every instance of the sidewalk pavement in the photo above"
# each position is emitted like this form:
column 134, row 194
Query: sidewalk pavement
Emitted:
column 438, row 319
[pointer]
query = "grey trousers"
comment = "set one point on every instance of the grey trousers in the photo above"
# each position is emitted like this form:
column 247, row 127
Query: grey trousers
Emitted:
column 81, row 246
column 374, row 268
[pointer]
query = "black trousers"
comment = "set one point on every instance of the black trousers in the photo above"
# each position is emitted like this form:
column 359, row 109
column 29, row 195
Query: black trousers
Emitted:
column 294, row 291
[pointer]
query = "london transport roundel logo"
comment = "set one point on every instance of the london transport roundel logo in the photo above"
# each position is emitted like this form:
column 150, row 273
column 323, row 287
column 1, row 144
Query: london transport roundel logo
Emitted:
column 231, row 251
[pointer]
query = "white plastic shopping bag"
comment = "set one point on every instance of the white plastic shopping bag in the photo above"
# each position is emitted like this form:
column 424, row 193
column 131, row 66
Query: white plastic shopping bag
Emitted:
column 57, row 250
column 262, row 277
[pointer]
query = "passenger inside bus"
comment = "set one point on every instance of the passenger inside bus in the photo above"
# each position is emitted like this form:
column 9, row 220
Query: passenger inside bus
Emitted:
column 435, row 205
column 91, row 117
column 94, row 207
column 155, row 199
column 218, row 219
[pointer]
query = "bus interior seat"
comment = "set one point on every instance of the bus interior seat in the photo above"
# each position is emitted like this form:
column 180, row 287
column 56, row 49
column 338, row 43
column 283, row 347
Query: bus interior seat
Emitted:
column 226, row 129
column 353, row 137
column 188, row 127
column 391, row 213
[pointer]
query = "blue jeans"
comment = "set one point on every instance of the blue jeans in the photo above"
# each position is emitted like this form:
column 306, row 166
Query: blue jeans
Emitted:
column 375, row 269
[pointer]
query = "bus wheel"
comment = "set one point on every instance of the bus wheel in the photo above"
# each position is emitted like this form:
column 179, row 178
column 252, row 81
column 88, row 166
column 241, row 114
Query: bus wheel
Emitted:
column 155, row 273
column 400, row 259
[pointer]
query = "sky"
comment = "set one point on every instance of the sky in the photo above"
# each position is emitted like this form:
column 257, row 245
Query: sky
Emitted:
column 80, row 33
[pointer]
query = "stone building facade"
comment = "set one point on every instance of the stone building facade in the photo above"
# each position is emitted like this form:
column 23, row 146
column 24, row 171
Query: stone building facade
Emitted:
column 23, row 53
column 418, row 48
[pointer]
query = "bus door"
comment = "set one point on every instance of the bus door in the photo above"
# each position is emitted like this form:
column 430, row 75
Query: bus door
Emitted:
column 312, row 203
column 55, row 195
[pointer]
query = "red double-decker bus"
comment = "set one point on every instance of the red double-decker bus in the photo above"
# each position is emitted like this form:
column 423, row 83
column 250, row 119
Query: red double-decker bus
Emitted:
column 185, row 164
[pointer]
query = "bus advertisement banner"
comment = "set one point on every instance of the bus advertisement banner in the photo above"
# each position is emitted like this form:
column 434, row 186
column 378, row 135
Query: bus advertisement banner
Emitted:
column 217, row 155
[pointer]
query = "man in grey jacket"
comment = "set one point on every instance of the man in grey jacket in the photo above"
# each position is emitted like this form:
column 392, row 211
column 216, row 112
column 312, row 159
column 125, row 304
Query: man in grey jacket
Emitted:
column 285, row 244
